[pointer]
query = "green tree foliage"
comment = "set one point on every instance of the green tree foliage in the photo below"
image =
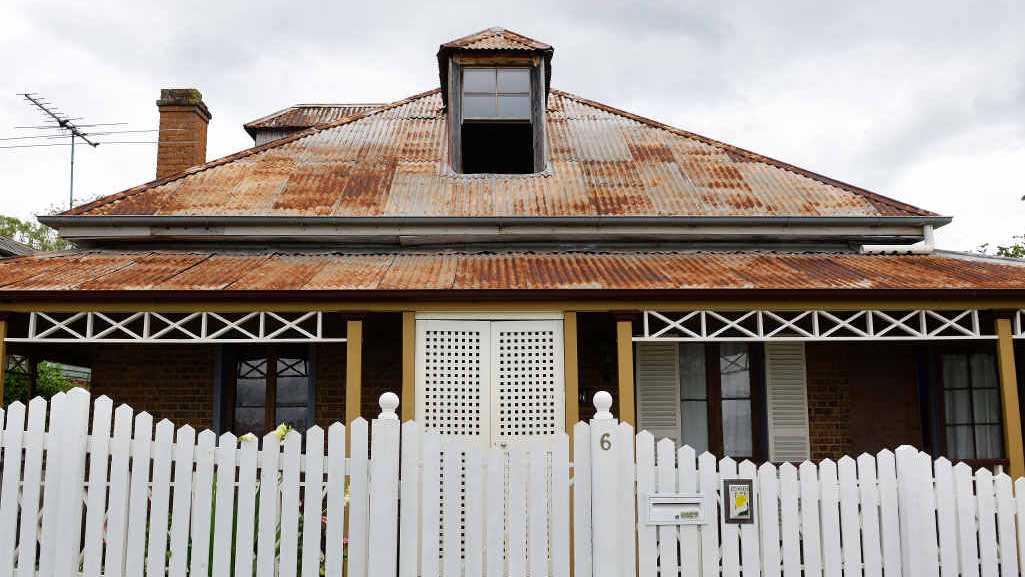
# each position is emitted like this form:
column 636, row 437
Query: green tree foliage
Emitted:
column 34, row 234
column 49, row 381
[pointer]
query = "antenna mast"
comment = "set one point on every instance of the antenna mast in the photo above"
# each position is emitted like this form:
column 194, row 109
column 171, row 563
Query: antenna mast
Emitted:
column 68, row 126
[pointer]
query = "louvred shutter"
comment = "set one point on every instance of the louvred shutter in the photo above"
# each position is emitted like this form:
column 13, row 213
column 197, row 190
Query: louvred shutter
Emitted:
column 658, row 389
column 786, row 399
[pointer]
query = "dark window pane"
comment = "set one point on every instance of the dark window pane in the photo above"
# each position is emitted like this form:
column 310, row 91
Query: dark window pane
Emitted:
column 476, row 106
column 692, row 371
column 959, row 442
column 250, row 392
column 517, row 107
column 984, row 371
column 293, row 416
column 955, row 371
column 252, row 369
column 736, row 428
column 958, row 406
column 989, row 442
column 735, row 369
column 479, row 80
column 694, row 418
column 249, row 420
column 986, row 405
column 513, row 80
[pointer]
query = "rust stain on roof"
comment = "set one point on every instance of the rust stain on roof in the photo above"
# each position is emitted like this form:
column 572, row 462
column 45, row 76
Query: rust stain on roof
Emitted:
column 493, row 270
column 306, row 115
column 496, row 39
column 392, row 161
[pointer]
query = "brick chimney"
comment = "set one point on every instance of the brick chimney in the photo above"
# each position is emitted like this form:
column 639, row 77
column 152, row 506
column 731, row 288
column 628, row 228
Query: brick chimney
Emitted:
column 183, row 121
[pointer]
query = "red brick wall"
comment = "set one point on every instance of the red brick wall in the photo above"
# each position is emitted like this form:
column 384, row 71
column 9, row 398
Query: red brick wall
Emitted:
column 183, row 125
column 597, row 360
column 330, row 383
column 862, row 397
column 174, row 382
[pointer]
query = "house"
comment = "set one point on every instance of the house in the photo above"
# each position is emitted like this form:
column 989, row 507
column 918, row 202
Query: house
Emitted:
column 497, row 250
column 11, row 247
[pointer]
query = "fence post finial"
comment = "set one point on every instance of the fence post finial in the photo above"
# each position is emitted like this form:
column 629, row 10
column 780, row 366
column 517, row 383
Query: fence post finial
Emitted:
column 602, row 404
column 388, row 402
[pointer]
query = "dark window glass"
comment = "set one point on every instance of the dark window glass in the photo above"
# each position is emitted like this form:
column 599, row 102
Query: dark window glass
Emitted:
column 737, row 421
column 693, row 397
column 971, row 406
column 264, row 399
column 498, row 148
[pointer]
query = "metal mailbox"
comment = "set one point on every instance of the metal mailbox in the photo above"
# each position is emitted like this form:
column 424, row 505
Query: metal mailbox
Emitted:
column 676, row 509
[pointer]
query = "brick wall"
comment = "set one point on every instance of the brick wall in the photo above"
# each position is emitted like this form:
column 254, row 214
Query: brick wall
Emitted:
column 330, row 377
column 183, row 124
column 174, row 382
column 862, row 397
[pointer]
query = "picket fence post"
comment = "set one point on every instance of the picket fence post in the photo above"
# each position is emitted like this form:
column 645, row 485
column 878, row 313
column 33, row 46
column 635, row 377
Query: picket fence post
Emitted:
column 384, row 488
column 605, row 489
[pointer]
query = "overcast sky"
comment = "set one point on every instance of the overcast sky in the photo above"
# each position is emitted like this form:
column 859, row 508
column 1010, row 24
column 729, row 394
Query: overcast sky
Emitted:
column 920, row 101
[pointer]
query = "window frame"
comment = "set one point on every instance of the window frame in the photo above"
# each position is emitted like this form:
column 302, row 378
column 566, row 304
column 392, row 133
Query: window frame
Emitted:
column 714, row 402
column 941, row 407
column 538, row 99
column 271, row 353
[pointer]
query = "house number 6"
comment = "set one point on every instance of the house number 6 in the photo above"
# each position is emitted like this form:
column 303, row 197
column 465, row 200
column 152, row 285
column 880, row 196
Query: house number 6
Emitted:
column 605, row 442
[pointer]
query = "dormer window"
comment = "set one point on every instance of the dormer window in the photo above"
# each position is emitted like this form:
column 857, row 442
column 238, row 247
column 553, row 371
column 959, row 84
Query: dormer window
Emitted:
column 495, row 85
column 496, row 133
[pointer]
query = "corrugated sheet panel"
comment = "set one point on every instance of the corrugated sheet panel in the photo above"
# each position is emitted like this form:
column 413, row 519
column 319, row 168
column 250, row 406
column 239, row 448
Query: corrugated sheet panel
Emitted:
column 536, row 270
column 496, row 39
column 393, row 162
column 307, row 115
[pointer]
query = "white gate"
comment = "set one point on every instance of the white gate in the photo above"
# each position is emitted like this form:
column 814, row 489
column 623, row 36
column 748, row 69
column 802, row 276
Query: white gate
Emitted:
column 494, row 382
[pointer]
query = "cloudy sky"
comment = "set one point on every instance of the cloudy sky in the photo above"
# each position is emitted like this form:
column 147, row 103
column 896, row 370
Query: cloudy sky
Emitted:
column 921, row 101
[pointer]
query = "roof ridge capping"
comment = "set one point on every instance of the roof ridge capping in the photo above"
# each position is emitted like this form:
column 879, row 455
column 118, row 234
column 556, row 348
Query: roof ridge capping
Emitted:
column 509, row 41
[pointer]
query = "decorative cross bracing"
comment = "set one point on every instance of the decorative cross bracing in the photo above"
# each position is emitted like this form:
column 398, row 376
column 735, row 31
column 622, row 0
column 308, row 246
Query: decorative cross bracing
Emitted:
column 813, row 325
column 189, row 327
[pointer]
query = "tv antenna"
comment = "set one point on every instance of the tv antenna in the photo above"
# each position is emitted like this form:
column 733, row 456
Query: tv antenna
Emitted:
column 58, row 126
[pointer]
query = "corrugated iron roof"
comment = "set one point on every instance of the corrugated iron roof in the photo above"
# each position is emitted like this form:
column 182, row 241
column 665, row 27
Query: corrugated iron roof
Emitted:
column 303, row 116
column 392, row 162
column 497, row 270
column 11, row 247
column 495, row 38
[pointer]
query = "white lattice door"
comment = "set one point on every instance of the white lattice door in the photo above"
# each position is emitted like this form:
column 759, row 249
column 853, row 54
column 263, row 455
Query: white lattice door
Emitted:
column 453, row 389
column 497, row 381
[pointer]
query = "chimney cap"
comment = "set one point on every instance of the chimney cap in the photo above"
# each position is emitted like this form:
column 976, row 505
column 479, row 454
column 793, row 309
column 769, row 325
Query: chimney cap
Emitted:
column 184, row 97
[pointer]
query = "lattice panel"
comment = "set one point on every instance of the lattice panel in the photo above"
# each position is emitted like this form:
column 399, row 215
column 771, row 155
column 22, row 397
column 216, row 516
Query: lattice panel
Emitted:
column 188, row 327
column 453, row 378
column 528, row 382
column 813, row 325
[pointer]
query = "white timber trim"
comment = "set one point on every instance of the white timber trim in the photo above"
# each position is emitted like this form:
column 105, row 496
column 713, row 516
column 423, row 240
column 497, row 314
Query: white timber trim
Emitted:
column 491, row 316
column 815, row 325
column 188, row 327
column 1019, row 324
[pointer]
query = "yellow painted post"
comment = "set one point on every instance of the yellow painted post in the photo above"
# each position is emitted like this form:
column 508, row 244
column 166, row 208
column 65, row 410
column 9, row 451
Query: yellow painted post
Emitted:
column 1009, row 398
column 572, row 373
column 3, row 356
column 353, row 369
column 625, row 362
column 408, row 365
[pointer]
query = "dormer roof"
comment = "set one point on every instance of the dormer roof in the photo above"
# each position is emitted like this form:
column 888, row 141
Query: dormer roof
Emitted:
column 494, row 40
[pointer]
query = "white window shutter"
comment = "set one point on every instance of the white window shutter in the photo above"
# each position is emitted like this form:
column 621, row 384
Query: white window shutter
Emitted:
column 786, row 401
column 658, row 389
column 452, row 378
column 527, row 379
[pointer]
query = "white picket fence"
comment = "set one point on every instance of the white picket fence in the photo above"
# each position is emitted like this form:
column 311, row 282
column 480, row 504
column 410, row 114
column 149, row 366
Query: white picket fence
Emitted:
column 127, row 499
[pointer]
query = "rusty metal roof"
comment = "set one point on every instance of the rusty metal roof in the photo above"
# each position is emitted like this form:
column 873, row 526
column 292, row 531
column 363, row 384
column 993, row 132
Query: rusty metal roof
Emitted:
column 496, row 38
column 392, row 162
column 501, row 270
column 303, row 116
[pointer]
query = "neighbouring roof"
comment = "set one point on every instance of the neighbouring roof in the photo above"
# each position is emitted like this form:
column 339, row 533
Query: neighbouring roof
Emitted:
column 302, row 116
column 539, row 270
column 11, row 247
column 391, row 161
